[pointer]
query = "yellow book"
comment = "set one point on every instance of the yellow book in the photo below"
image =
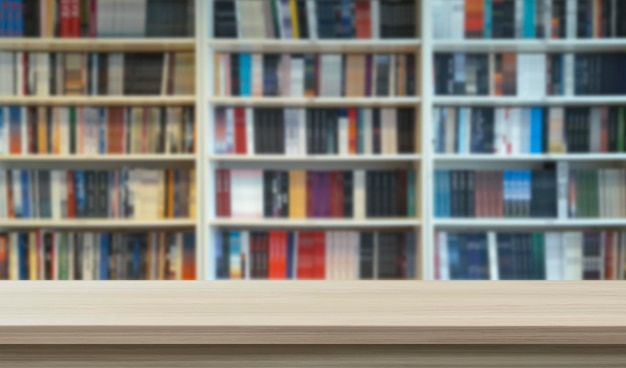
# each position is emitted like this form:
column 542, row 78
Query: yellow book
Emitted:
column 216, row 74
column 297, row 194
column 56, row 125
column 294, row 19
column 32, row 256
column 50, row 15
column 42, row 131
column 14, row 268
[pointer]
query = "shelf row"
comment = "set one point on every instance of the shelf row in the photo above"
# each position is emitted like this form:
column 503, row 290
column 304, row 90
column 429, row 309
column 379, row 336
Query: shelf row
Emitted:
column 277, row 45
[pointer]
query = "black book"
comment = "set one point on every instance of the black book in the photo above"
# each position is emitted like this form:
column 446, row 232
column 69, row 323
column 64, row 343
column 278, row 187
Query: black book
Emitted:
column 267, row 193
column 270, row 75
column 607, row 19
column 481, row 64
column 410, row 75
column 612, row 127
column 225, row 25
column 310, row 118
column 486, row 145
column 333, row 134
column 469, row 194
column 143, row 73
column 584, row 21
column 91, row 196
column 103, row 194
column 454, row 194
column 78, row 256
column 366, row 256
column 376, row 145
column 103, row 74
column 391, row 256
column 348, row 184
column 369, row 193
column 463, row 193
column 259, row 129
column 31, row 18
column 303, row 24
column 234, row 74
column 45, row 203
column 383, row 68
column 284, row 192
column 48, row 251
column 392, row 193
column 537, row 203
column 621, row 13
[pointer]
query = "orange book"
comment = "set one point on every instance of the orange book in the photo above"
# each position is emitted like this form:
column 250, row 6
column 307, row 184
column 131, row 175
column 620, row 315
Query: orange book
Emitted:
column 297, row 194
column 56, row 126
column 362, row 12
column 4, row 271
column 474, row 18
column 192, row 194
column 170, row 194
column 352, row 131
column 401, row 75
column 10, row 205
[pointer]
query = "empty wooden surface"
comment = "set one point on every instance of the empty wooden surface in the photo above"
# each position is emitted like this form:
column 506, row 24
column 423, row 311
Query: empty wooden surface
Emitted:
column 282, row 312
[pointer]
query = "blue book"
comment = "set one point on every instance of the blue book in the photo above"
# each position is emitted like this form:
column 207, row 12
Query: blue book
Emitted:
column 105, row 252
column 8, row 18
column 454, row 257
column 95, row 60
column 26, row 205
column 528, row 29
column 20, row 17
column 235, row 255
column 410, row 255
column 360, row 132
column 437, row 184
column 3, row 18
column 488, row 20
column 135, row 273
column 536, row 130
column 217, row 271
column 441, row 130
column 291, row 253
column 80, row 193
column 103, row 130
column 446, row 193
column 346, row 18
column 245, row 73
column 460, row 129
column 23, row 255
column 15, row 118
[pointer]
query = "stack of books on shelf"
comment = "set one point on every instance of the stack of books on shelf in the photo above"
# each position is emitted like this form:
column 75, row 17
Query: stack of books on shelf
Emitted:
column 96, row 18
column 96, row 74
column 315, row 255
column 96, row 130
column 297, row 131
column 528, row 19
column 127, row 193
column 49, row 255
column 314, row 19
column 315, row 194
column 575, row 255
column 315, row 75
column 529, row 75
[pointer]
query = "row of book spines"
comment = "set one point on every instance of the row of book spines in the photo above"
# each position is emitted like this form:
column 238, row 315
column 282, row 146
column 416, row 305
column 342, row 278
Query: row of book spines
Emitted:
column 315, row 255
column 539, row 130
column 553, row 74
column 494, row 194
column 44, row 255
column 530, row 256
column 531, row 18
column 596, row 193
column 302, row 194
column 76, row 74
column 115, row 130
column 76, row 18
column 309, row 19
column 95, row 194
column 310, row 75
column 314, row 131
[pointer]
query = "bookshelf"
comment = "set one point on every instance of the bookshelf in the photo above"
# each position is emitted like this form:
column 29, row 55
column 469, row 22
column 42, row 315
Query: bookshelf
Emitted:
column 424, row 159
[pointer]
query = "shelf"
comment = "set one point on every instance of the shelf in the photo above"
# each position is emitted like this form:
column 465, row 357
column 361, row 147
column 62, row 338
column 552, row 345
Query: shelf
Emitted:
column 316, row 101
column 571, row 157
column 315, row 223
column 524, row 223
column 98, row 44
column 98, row 100
column 314, row 46
column 95, row 223
column 314, row 158
column 528, row 46
column 528, row 101
column 312, row 312
column 108, row 158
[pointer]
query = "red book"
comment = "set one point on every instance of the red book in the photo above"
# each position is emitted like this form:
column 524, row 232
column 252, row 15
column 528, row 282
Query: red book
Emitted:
column 93, row 16
column 352, row 131
column 363, row 19
column 309, row 194
column 474, row 18
column 226, row 194
column 610, row 255
column 283, row 254
column 240, row 130
column 71, row 196
column 302, row 256
column 604, row 130
column 64, row 18
column 4, row 274
column 75, row 18
column 10, row 208
column 320, row 255
column 273, row 255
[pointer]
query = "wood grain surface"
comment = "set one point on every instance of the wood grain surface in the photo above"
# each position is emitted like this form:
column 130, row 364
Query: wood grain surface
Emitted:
column 267, row 312
column 339, row 356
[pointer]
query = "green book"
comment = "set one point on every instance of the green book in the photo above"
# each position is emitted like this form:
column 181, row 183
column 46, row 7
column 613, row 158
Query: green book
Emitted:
column 275, row 18
column 63, row 266
column 411, row 193
column 595, row 194
column 73, row 148
column 539, row 258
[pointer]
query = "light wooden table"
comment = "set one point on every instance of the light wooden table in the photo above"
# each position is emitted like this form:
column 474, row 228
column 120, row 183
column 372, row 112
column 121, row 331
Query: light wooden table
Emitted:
column 300, row 324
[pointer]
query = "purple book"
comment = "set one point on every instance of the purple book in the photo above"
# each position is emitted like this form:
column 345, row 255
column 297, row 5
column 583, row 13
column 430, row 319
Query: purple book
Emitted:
column 325, row 200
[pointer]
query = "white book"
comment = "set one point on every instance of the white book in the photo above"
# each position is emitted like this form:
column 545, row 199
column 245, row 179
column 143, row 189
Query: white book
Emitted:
column 519, row 18
column 393, row 60
column 257, row 75
column 368, row 138
column 330, row 84
column 250, row 131
column 354, row 254
column 311, row 11
column 467, row 125
column 8, row 74
column 571, row 15
column 42, row 77
column 554, row 256
column 525, row 128
column 3, row 193
column 14, row 257
column 359, row 197
column 562, row 172
column 515, row 127
column 568, row 74
column 442, row 247
column 439, row 25
column 573, row 254
column 375, row 16
column 88, row 256
column 594, row 136
column 224, row 76
column 302, row 141
column 330, row 256
column 492, row 251
column 297, row 77
column 343, row 135
column 19, row 72
column 457, row 21
column 140, row 21
column 55, row 193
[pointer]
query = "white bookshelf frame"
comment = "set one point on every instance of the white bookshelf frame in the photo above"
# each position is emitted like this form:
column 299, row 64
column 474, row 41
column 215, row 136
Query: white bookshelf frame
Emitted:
column 424, row 161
